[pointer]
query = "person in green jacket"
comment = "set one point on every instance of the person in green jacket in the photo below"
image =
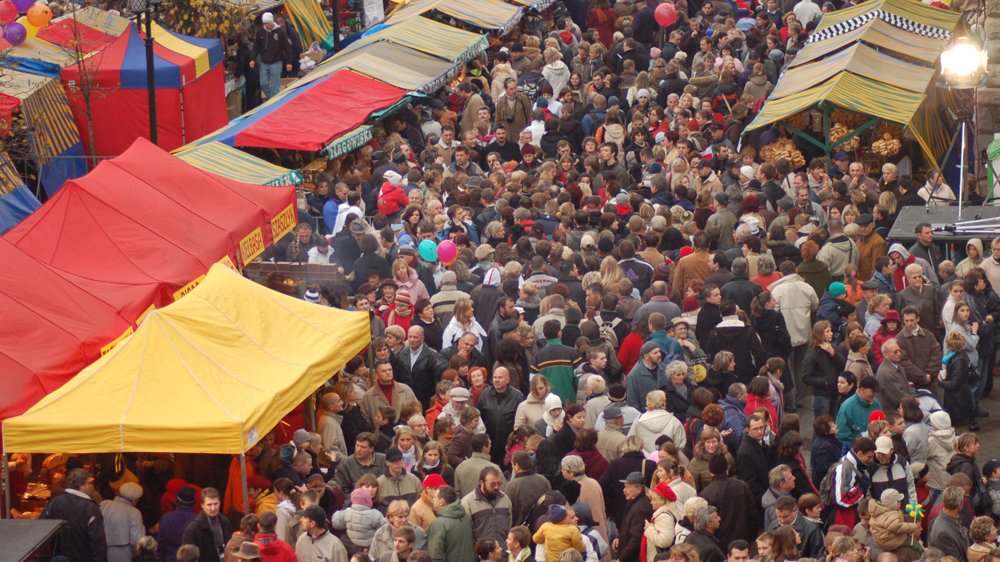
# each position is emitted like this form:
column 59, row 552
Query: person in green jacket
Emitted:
column 852, row 419
column 449, row 538
column 557, row 362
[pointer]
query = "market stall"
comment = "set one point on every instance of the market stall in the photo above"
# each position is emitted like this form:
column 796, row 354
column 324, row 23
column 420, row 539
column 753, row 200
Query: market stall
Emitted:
column 394, row 64
column 311, row 23
column 147, row 217
column 203, row 375
column 235, row 164
column 53, row 327
column 868, row 69
column 489, row 15
column 190, row 94
column 310, row 117
column 16, row 200
column 38, row 103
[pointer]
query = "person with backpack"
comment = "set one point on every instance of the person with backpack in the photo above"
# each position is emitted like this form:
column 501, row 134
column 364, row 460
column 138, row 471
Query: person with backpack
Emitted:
column 846, row 483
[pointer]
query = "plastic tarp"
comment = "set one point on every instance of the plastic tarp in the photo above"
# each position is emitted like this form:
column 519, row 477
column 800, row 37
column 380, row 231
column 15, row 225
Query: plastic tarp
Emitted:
column 317, row 114
column 147, row 217
column 190, row 93
column 204, row 375
column 235, row 164
column 410, row 69
column 309, row 21
column 855, row 60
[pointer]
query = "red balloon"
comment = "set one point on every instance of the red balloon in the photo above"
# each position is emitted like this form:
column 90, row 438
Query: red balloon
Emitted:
column 8, row 12
column 665, row 14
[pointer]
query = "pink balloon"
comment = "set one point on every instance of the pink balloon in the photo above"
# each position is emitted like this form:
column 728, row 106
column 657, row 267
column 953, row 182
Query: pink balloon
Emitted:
column 8, row 12
column 665, row 14
column 447, row 251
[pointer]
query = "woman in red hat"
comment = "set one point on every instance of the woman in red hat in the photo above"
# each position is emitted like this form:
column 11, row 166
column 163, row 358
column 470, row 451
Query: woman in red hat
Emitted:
column 659, row 533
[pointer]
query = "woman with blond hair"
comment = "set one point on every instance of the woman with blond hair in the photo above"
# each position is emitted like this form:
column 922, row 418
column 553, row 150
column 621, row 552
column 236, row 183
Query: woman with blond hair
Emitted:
column 397, row 516
column 611, row 273
column 462, row 322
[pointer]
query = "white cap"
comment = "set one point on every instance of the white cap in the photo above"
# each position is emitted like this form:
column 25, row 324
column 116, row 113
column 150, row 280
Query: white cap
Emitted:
column 883, row 445
column 747, row 171
column 268, row 17
column 392, row 177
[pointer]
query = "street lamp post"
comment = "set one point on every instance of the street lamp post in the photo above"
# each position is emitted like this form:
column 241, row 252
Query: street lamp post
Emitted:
column 144, row 11
column 963, row 66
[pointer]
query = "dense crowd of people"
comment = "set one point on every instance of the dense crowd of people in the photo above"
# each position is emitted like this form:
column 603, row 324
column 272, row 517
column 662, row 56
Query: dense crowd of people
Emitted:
column 613, row 362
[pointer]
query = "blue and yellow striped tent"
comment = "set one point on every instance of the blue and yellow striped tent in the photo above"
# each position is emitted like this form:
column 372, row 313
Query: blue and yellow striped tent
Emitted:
column 233, row 163
column 54, row 138
column 851, row 62
column 16, row 200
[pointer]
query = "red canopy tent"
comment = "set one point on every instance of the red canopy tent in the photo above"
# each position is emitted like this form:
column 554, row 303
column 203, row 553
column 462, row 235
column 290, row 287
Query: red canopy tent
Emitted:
column 310, row 117
column 190, row 90
column 52, row 329
column 137, row 232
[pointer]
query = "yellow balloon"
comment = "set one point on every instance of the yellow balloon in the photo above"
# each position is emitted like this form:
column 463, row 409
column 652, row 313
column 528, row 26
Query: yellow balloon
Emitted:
column 31, row 29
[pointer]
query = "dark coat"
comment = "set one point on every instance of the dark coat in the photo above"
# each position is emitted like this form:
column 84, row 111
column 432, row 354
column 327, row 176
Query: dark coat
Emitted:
column 753, row 462
column 81, row 539
column 171, row 534
column 638, row 511
column 825, row 451
column 497, row 411
column 708, row 318
column 524, row 489
column 199, row 533
column 741, row 291
column 677, row 404
column 957, row 396
column 820, row 370
column 743, row 342
column 421, row 376
column 739, row 512
column 707, row 545
column 614, row 490
column 773, row 332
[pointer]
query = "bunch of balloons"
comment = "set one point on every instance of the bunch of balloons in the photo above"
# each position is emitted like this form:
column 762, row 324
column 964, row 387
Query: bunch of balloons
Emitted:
column 17, row 30
column 445, row 251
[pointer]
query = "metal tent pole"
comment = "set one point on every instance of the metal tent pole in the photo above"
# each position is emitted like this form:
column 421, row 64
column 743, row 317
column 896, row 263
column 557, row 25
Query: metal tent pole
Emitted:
column 961, row 171
column 243, row 477
column 6, row 487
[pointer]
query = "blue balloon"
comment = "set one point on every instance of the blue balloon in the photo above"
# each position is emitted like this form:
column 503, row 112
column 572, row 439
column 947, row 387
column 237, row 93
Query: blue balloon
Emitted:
column 428, row 250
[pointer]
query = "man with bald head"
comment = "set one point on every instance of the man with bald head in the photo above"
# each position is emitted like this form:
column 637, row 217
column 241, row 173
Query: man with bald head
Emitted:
column 330, row 430
column 416, row 363
column 497, row 406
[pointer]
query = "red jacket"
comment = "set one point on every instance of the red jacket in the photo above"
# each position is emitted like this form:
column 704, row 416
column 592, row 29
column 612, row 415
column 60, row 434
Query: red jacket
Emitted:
column 391, row 199
column 273, row 549
column 754, row 403
column 628, row 352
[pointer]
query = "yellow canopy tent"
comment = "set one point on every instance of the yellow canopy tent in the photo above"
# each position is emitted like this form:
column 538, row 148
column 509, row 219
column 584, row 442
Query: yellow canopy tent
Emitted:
column 491, row 15
column 876, row 59
column 211, row 373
